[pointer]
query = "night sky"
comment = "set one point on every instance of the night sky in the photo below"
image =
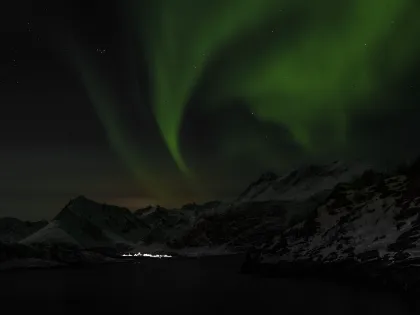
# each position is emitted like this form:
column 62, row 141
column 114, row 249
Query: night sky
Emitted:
column 166, row 102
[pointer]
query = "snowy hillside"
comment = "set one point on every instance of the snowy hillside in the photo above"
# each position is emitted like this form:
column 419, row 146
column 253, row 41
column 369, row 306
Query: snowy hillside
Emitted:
column 90, row 224
column 300, row 184
column 164, row 224
column 145, row 212
column 374, row 218
column 268, row 206
column 265, row 209
column 52, row 233
column 13, row 230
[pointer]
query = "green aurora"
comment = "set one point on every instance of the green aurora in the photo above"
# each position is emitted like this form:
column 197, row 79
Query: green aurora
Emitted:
column 317, row 75
column 297, row 64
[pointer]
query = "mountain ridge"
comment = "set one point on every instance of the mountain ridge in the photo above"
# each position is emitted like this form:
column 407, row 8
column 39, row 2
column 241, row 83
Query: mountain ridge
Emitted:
column 245, row 222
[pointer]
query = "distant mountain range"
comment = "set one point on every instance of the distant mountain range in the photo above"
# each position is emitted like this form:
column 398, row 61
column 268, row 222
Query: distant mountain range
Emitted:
column 265, row 208
column 269, row 205
column 322, row 214
column 87, row 224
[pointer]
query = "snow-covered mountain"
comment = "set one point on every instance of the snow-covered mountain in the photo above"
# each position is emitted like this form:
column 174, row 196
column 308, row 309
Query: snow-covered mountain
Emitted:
column 88, row 224
column 374, row 219
column 269, row 205
column 324, row 215
column 13, row 230
column 302, row 183
column 145, row 212
column 264, row 209
column 164, row 224
column 271, row 211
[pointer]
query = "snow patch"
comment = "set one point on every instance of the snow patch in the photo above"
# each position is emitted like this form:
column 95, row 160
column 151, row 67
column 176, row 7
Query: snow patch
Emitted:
column 51, row 234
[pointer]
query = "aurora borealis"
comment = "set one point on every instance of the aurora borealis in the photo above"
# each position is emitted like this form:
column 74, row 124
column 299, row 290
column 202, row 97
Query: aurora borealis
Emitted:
column 197, row 98
column 298, row 81
column 294, row 64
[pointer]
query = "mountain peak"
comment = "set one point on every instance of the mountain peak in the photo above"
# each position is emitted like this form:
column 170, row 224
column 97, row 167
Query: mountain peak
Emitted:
column 265, row 178
column 79, row 198
column 268, row 176
column 148, row 210
column 301, row 183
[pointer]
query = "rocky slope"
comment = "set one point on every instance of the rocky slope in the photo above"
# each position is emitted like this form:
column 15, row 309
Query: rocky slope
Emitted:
column 371, row 223
column 87, row 224
column 164, row 225
column 84, row 223
column 268, row 206
column 300, row 184
column 13, row 230
column 290, row 216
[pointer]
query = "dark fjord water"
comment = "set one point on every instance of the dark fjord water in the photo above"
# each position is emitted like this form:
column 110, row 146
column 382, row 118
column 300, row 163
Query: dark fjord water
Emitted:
column 200, row 286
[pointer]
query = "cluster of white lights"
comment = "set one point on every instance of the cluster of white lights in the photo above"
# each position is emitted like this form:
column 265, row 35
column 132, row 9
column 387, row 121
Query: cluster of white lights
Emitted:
column 147, row 255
